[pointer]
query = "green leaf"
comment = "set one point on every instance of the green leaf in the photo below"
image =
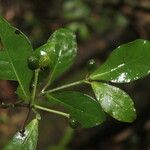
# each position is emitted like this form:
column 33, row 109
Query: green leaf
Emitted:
column 61, row 48
column 13, row 59
column 6, row 71
column 80, row 106
column 128, row 62
column 115, row 102
column 65, row 51
column 26, row 140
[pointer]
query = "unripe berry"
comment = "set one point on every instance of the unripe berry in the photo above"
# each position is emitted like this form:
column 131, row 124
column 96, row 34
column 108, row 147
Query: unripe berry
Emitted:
column 44, row 60
column 33, row 62
column 91, row 65
column 73, row 122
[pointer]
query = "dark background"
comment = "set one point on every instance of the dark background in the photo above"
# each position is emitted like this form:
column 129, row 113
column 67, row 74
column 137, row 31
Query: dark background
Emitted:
column 101, row 26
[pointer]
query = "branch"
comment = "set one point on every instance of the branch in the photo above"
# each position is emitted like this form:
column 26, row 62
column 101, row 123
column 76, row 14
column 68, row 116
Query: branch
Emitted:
column 11, row 105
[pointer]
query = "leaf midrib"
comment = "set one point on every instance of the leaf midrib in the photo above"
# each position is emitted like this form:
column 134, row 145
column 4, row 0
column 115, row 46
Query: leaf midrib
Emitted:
column 28, row 134
column 55, row 67
column 16, row 73
column 107, row 72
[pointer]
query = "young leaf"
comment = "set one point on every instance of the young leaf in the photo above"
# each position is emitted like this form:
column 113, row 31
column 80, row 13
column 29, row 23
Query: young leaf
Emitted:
column 115, row 102
column 61, row 48
column 128, row 62
column 81, row 107
column 17, row 49
column 26, row 140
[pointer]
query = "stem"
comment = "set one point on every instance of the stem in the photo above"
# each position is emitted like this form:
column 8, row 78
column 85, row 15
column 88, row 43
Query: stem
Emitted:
column 35, row 86
column 52, row 111
column 38, row 116
column 64, row 86
column 26, row 119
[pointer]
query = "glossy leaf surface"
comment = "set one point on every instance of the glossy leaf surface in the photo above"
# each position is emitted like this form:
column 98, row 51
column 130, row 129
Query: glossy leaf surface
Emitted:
column 115, row 102
column 13, row 58
column 61, row 49
column 6, row 71
column 65, row 51
column 126, row 63
column 26, row 140
column 81, row 107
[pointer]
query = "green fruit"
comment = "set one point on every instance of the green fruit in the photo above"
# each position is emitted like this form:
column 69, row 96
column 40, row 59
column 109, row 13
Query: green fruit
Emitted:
column 33, row 62
column 91, row 65
column 44, row 60
column 39, row 59
column 73, row 122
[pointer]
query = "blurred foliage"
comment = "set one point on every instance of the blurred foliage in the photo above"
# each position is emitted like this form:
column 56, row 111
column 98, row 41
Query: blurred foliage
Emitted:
column 63, row 143
column 3, row 118
column 85, row 17
column 75, row 9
